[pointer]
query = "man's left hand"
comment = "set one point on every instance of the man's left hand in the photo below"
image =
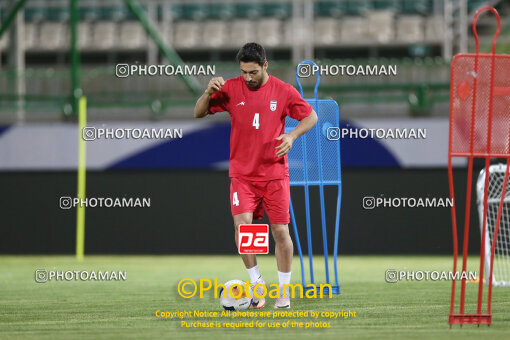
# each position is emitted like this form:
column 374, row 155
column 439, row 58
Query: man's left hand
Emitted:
column 286, row 145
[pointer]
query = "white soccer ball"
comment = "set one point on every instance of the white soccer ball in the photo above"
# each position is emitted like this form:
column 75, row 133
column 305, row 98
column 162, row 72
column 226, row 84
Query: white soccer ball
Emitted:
column 239, row 299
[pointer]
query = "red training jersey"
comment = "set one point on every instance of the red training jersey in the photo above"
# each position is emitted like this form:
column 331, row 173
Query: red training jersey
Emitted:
column 257, row 118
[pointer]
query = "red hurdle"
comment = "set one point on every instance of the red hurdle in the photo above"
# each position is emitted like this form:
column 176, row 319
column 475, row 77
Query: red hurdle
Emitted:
column 479, row 128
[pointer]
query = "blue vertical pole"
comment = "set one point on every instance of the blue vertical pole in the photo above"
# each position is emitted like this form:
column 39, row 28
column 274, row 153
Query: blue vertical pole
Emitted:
column 298, row 244
column 307, row 210
column 338, row 205
column 321, row 193
column 337, row 224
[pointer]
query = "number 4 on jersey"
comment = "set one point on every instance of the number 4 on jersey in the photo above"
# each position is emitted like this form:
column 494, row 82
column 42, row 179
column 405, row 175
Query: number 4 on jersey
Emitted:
column 235, row 200
column 256, row 121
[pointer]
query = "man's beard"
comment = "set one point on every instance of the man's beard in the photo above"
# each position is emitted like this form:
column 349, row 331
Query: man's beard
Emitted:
column 253, row 84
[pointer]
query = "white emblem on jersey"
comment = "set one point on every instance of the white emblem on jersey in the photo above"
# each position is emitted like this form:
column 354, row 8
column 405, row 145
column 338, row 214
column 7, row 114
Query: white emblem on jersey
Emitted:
column 241, row 103
column 272, row 105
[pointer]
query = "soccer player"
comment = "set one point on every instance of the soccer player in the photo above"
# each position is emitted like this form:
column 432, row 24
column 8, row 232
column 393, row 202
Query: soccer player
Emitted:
column 259, row 174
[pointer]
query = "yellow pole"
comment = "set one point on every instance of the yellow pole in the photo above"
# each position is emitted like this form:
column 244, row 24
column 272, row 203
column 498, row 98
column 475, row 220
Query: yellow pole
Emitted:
column 80, row 210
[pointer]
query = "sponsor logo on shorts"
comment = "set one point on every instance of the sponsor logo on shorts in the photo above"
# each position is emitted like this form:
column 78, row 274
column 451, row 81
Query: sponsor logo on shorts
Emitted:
column 253, row 239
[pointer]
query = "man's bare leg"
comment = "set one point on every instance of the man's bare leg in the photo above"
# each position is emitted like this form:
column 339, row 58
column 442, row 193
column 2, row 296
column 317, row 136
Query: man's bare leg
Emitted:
column 284, row 247
column 250, row 261
column 284, row 251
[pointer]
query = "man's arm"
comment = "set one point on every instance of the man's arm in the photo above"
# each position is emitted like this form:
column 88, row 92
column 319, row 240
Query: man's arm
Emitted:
column 287, row 139
column 202, row 105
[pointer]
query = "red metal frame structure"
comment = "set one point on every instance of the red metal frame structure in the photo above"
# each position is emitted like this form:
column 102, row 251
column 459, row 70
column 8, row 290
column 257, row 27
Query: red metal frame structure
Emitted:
column 479, row 128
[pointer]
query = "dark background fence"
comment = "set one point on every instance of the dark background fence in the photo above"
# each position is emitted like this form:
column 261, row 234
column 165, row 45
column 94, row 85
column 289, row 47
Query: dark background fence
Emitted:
column 190, row 213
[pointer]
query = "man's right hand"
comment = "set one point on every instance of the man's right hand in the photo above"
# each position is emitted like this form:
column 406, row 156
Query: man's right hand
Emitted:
column 215, row 84
column 202, row 105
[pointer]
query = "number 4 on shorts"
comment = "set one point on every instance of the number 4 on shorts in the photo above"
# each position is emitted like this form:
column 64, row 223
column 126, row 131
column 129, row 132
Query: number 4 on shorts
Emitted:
column 235, row 200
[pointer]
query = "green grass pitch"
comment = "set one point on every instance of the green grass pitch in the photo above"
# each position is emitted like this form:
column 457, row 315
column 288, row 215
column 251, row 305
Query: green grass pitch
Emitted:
column 126, row 309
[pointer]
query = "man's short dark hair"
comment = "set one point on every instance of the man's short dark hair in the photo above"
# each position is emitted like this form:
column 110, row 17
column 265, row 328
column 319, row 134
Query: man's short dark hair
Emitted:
column 252, row 53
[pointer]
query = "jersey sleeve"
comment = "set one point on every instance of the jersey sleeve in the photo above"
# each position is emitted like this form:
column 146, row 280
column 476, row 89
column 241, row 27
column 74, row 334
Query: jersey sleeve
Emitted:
column 219, row 100
column 297, row 107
